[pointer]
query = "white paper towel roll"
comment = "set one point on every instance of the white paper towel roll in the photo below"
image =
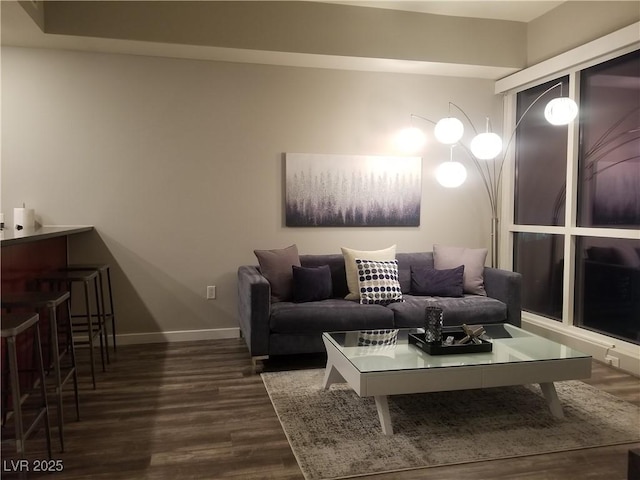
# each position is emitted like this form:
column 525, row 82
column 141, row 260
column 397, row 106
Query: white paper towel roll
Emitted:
column 25, row 217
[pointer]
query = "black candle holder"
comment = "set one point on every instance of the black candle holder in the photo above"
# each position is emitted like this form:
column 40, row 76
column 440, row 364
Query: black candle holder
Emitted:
column 433, row 324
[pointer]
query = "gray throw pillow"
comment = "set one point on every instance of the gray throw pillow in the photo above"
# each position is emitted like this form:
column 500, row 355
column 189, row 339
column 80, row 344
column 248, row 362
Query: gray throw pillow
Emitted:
column 473, row 259
column 276, row 265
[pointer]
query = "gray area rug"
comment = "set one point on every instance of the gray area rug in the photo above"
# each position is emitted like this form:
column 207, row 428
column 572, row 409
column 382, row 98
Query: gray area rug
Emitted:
column 336, row 434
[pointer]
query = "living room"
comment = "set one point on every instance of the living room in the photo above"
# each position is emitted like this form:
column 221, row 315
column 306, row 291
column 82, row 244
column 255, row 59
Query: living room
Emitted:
column 173, row 149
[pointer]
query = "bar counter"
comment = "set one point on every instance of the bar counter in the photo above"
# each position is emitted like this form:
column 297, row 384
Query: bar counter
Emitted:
column 11, row 236
column 30, row 252
column 26, row 255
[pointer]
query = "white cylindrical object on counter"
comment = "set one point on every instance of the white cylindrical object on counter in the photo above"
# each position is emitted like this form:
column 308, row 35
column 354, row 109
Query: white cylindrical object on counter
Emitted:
column 24, row 217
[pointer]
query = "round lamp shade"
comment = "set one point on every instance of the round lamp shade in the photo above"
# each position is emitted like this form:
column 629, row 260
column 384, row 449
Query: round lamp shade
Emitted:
column 486, row 146
column 560, row 111
column 410, row 140
column 451, row 174
column 449, row 130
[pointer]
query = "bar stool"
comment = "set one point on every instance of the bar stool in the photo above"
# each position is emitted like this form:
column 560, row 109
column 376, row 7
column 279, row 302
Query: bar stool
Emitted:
column 50, row 302
column 13, row 326
column 104, row 271
column 93, row 330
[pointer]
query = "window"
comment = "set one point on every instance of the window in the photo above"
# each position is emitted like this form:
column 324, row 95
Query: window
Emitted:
column 541, row 160
column 601, row 235
column 539, row 257
column 609, row 186
column 608, row 287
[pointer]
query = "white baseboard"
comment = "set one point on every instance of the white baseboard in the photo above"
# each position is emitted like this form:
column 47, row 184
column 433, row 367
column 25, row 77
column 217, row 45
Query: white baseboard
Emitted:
column 177, row 336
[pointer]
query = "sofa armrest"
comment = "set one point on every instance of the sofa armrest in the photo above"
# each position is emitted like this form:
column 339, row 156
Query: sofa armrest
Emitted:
column 505, row 286
column 254, row 309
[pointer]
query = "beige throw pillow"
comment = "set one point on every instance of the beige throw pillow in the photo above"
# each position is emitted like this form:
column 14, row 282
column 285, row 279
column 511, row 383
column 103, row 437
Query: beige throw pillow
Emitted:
column 350, row 256
column 473, row 260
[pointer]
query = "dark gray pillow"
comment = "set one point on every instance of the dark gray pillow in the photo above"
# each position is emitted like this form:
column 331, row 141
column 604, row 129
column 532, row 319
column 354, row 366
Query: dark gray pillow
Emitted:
column 276, row 265
column 311, row 284
column 437, row 283
column 473, row 260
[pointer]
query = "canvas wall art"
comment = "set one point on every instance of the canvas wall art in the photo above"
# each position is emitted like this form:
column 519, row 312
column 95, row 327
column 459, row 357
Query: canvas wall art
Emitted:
column 352, row 190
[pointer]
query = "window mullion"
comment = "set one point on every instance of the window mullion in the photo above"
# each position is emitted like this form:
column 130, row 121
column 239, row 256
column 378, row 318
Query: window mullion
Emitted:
column 505, row 254
column 573, row 150
column 571, row 208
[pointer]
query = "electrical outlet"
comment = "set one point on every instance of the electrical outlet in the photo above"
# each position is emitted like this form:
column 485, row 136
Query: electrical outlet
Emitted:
column 211, row 292
column 613, row 361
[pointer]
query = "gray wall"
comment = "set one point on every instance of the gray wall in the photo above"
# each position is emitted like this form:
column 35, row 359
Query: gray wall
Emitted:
column 178, row 164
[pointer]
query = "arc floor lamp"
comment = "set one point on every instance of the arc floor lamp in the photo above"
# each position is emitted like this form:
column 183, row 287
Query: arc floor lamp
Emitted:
column 485, row 150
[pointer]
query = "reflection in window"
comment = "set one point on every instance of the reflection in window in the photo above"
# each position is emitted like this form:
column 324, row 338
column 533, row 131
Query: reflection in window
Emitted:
column 540, row 259
column 609, row 186
column 541, row 160
column 608, row 287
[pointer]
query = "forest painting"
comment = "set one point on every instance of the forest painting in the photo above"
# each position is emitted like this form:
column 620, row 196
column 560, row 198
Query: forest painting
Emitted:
column 352, row 190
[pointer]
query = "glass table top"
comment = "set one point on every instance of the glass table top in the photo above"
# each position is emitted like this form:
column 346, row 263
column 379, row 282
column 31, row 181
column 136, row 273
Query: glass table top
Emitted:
column 510, row 345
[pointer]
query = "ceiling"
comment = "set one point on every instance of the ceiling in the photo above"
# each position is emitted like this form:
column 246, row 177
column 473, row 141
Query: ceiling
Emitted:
column 18, row 29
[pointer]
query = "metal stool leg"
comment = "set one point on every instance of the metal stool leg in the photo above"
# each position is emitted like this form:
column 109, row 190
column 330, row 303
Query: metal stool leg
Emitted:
column 111, row 310
column 53, row 333
column 104, row 341
column 5, row 387
column 43, row 389
column 90, row 333
column 71, row 346
column 15, row 395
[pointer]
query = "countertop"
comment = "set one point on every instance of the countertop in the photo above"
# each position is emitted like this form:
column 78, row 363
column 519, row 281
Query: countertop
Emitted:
column 11, row 236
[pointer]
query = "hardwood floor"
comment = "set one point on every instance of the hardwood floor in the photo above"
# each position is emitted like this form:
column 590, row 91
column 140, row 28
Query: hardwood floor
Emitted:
column 196, row 411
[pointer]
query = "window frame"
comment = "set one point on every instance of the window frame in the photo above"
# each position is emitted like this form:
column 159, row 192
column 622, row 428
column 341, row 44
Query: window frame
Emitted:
column 609, row 349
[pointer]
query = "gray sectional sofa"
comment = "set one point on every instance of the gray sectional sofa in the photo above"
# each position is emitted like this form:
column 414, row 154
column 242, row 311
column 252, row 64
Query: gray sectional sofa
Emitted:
column 282, row 328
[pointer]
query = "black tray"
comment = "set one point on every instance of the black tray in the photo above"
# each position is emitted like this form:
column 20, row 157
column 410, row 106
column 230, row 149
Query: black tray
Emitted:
column 418, row 340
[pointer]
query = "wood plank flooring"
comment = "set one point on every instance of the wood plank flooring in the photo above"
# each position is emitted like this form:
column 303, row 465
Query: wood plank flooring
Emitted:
column 195, row 410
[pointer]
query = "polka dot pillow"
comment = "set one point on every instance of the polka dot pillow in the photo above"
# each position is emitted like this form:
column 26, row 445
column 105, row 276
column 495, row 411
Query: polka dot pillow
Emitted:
column 378, row 282
column 378, row 338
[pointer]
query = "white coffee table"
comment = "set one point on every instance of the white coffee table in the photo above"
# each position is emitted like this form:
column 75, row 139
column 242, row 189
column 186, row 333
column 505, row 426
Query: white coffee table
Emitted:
column 518, row 358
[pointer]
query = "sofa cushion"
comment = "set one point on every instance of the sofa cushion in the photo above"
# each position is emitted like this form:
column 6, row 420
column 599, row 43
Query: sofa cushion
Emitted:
column 334, row 314
column 311, row 283
column 350, row 256
column 442, row 283
column 378, row 282
column 469, row 309
column 473, row 260
column 276, row 265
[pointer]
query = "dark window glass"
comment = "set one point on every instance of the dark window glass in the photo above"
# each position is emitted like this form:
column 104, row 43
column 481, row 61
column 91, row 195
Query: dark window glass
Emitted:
column 609, row 168
column 539, row 258
column 540, row 160
column 608, row 287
